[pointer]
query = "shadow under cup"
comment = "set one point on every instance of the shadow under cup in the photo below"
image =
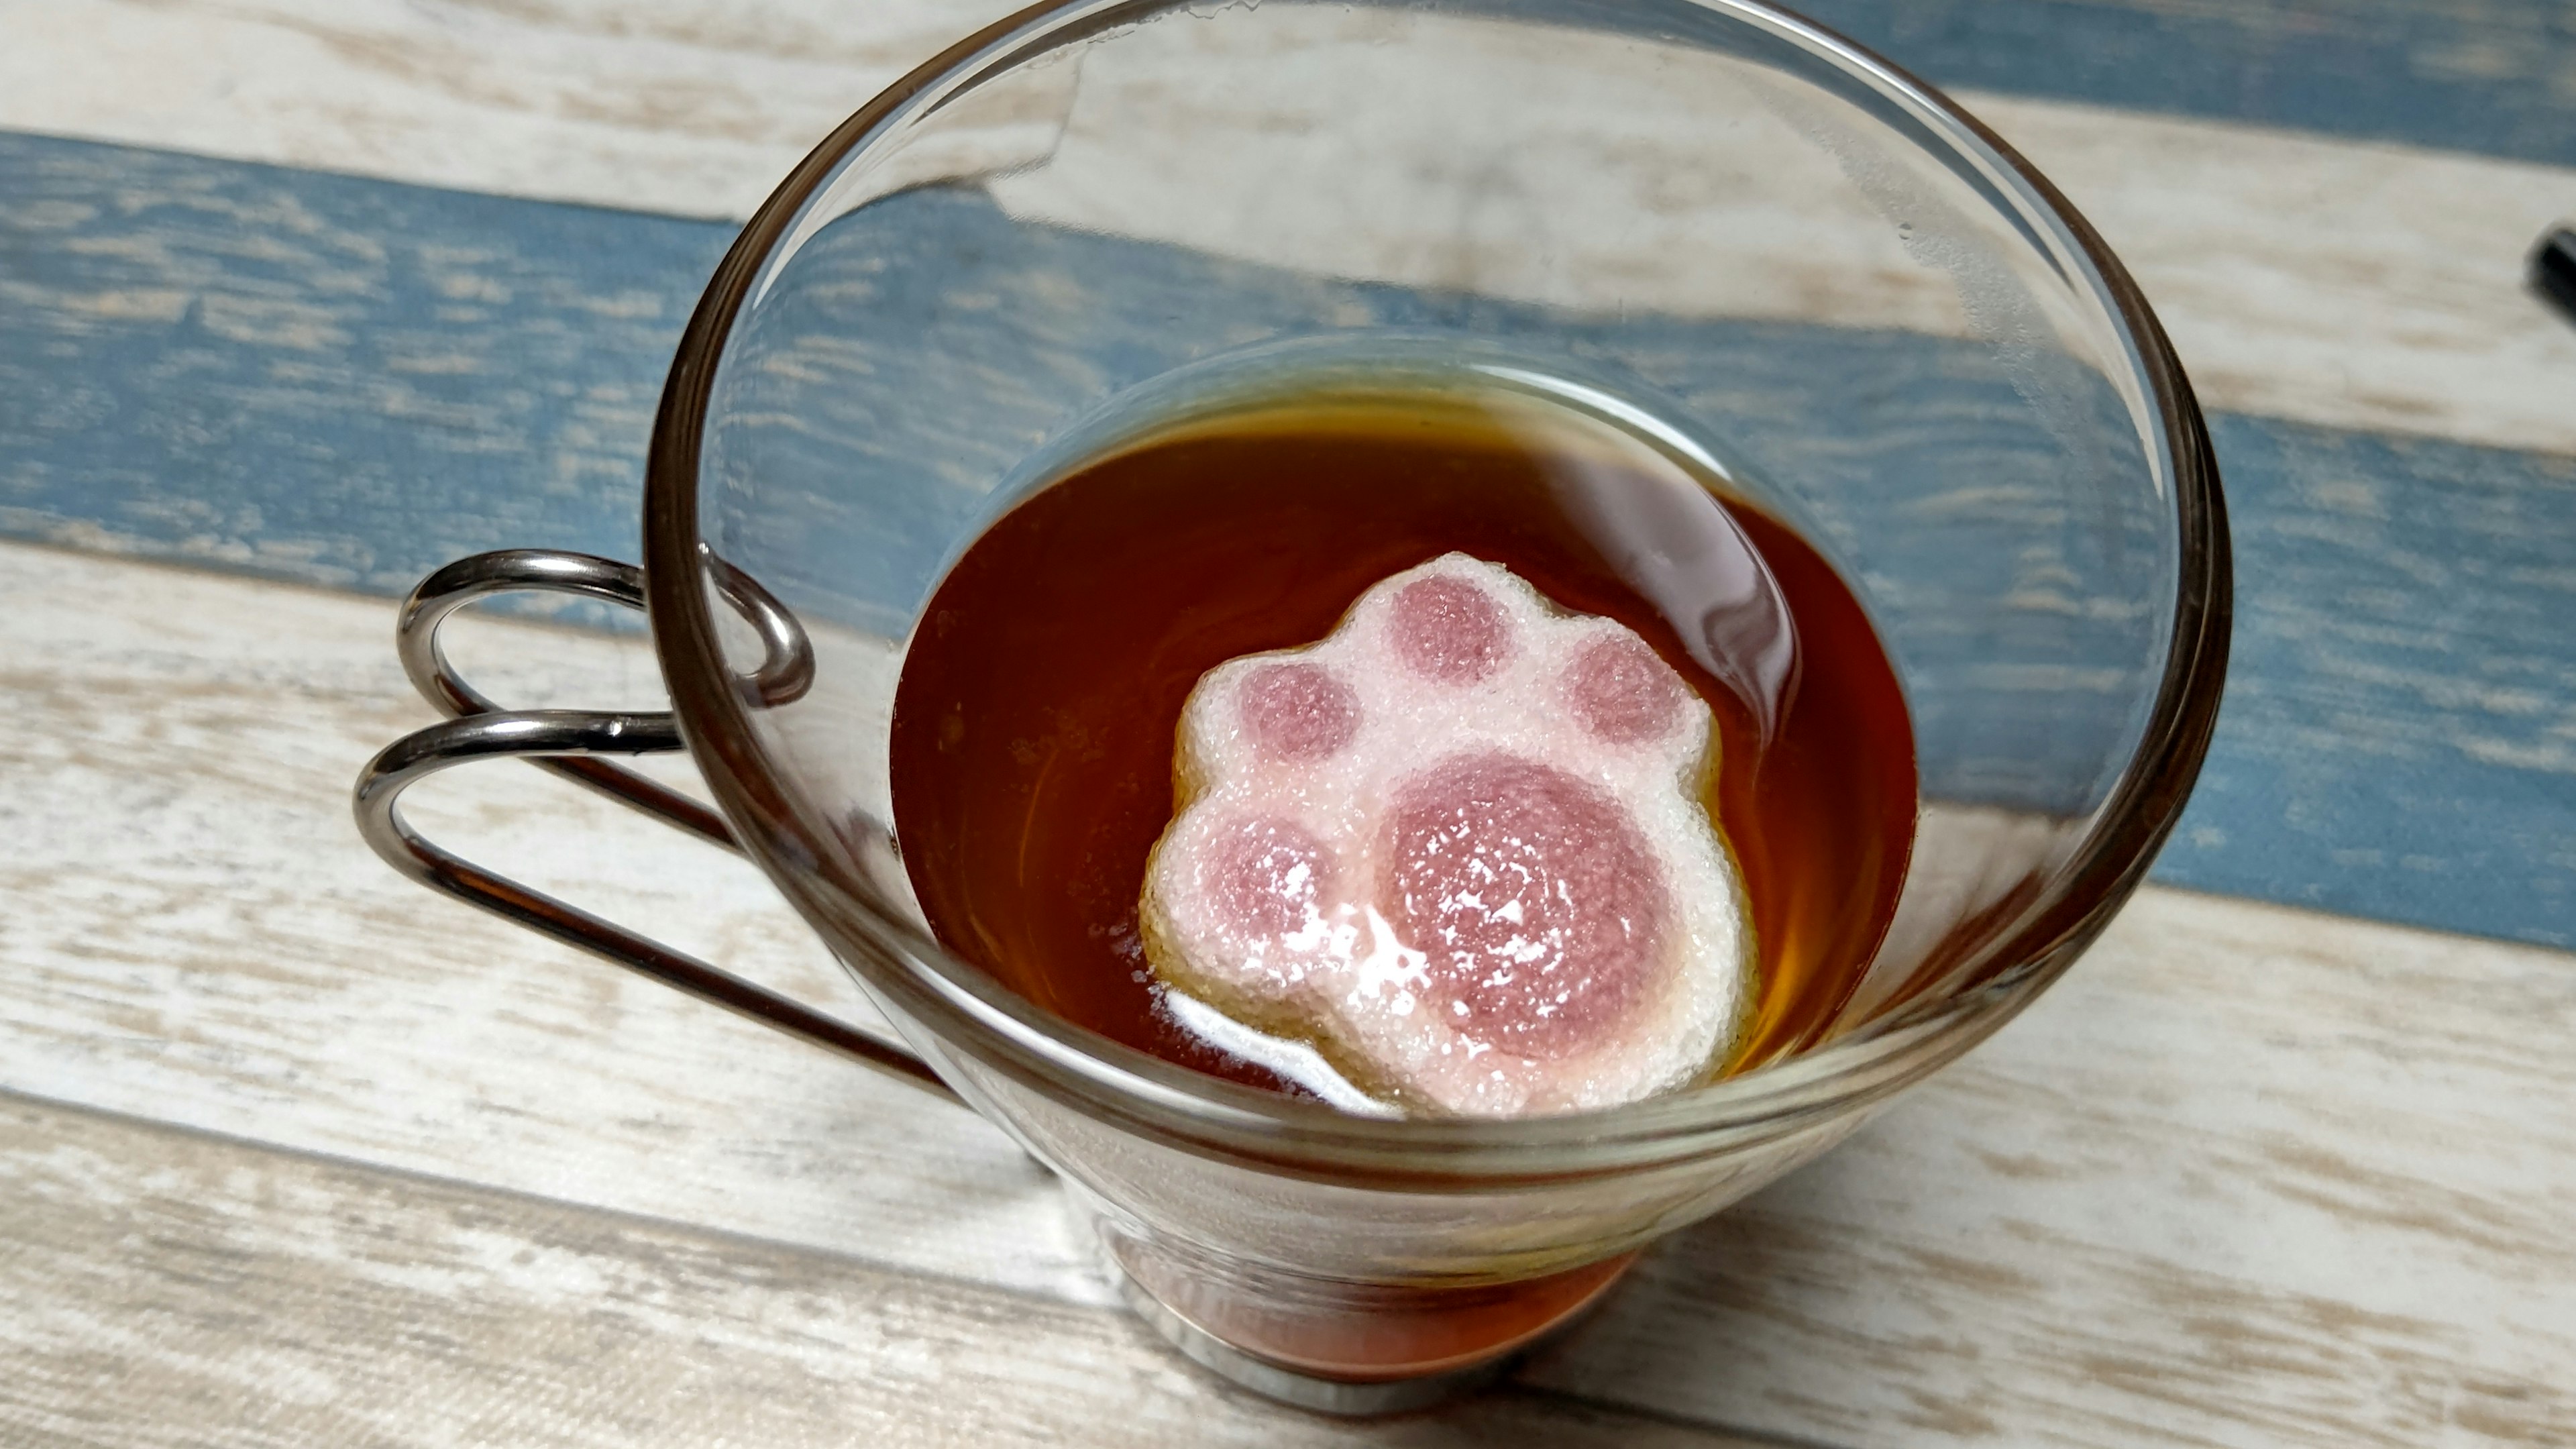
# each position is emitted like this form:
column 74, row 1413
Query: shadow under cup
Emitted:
column 1880, row 325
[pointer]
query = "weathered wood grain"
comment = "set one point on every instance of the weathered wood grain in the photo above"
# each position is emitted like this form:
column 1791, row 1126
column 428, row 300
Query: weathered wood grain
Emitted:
column 166, row 1288
column 2470, row 75
column 2327, row 281
column 691, row 90
column 2377, row 287
column 348, row 382
column 197, row 934
column 693, row 108
column 2400, row 674
column 2248, row 1176
column 2338, row 281
column 304, row 374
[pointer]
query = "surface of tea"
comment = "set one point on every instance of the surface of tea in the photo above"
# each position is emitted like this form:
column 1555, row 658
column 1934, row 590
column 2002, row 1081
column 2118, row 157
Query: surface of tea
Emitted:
column 1033, row 733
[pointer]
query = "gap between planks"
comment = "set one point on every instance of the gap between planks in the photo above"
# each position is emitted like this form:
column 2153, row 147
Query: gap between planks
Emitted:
column 171, row 1288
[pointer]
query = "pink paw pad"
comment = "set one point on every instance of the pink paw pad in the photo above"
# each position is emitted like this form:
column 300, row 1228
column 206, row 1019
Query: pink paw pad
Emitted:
column 1622, row 692
column 1456, row 848
column 1447, row 629
column 1297, row 711
column 1532, row 894
column 1265, row 878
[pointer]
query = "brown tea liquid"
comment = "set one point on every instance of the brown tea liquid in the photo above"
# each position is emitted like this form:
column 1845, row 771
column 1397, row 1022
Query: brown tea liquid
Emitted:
column 1034, row 725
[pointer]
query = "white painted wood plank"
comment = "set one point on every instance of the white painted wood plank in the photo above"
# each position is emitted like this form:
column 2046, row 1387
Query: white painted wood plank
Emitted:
column 171, row 1289
column 2349, row 283
column 689, row 107
column 197, row 934
column 2354, row 284
column 2248, row 1176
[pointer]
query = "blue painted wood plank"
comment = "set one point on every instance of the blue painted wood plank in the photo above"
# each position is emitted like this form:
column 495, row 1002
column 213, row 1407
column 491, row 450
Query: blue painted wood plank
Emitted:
column 319, row 377
column 2493, row 76
column 921, row 352
column 2399, row 734
column 347, row 382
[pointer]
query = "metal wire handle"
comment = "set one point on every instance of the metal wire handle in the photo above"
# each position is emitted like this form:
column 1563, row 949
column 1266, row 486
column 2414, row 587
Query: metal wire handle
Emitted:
column 569, row 743
column 786, row 670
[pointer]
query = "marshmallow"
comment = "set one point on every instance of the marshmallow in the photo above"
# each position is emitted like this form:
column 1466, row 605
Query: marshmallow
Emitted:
column 1457, row 850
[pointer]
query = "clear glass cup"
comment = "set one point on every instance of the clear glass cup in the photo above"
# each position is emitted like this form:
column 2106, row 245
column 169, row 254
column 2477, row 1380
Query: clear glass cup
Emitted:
column 1709, row 218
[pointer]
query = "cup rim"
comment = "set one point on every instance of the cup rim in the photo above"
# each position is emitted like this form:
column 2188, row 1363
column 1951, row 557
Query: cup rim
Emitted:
column 969, row 1013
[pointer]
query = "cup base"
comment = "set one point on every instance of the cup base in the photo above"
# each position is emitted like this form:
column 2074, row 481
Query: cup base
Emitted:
column 1341, row 1397
column 1372, row 1351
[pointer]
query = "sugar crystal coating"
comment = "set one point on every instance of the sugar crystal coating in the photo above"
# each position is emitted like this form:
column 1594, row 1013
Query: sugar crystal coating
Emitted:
column 1265, row 876
column 1298, row 711
column 1459, row 848
column 1532, row 894
column 1449, row 630
column 1622, row 692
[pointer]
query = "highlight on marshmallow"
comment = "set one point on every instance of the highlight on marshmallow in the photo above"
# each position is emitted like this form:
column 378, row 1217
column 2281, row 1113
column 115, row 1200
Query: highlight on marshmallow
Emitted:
column 1453, row 859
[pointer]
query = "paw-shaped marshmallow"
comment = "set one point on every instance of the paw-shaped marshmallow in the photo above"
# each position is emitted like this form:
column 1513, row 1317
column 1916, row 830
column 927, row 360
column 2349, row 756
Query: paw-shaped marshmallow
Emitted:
column 1458, row 846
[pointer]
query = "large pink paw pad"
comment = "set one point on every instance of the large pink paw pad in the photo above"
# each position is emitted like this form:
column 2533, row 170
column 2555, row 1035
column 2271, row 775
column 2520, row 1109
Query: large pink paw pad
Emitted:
column 1458, row 849
column 1533, row 894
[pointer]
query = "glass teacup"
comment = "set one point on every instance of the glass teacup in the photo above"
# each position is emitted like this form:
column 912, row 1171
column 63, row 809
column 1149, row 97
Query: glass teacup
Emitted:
column 1709, row 218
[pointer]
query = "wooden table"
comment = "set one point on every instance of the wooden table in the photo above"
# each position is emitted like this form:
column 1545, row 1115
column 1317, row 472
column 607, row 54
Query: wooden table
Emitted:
column 299, row 299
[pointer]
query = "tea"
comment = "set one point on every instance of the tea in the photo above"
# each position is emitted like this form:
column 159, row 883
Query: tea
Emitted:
column 1034, row 726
